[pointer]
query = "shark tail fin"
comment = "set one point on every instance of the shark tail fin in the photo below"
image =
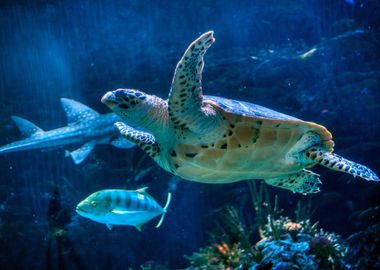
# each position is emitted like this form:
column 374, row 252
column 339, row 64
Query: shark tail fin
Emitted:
column 26, row 127
column 164, row 210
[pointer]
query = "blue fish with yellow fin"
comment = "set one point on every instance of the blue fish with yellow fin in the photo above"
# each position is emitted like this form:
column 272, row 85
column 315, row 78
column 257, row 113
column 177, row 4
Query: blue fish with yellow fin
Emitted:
column 122, row 207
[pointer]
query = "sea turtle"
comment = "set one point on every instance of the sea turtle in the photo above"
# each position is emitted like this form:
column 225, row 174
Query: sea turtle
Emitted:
column 216, row 140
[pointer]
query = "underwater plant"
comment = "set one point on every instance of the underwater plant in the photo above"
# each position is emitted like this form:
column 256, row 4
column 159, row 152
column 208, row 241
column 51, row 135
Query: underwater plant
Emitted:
column 283, row 244
column 286, row 245
column 220, row 256
column 262, row 204
column 231, row 246
column 364, row 245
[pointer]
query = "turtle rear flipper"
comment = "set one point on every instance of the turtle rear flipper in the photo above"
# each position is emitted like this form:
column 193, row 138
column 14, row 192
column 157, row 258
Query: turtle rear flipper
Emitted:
column 338, row 163
column 302, row 182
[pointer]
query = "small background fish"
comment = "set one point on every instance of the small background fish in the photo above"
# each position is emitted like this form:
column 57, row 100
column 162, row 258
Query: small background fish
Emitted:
column 122, row 207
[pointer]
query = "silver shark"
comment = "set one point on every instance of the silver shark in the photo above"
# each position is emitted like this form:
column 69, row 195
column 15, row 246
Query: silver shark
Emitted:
column 85, row 126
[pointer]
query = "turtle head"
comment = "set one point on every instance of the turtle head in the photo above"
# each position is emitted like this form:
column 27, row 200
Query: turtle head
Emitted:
column 129, row 104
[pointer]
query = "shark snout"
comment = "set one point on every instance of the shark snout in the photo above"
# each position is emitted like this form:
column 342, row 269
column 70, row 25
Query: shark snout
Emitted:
column 109, row 99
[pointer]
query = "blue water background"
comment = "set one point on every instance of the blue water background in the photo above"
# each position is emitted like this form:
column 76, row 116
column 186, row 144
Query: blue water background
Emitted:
column 81, row 49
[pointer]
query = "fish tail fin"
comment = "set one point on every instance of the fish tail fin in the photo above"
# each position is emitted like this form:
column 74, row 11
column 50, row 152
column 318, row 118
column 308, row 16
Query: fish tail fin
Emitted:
column 164, row 211
column 168, row 201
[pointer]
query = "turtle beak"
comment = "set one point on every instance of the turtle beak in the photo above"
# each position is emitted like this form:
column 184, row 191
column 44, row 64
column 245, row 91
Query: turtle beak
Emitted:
column 109, row 99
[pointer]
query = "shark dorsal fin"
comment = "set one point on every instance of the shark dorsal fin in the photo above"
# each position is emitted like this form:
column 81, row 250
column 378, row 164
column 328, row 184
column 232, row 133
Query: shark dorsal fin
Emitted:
column 76, row 111
column 26, row 127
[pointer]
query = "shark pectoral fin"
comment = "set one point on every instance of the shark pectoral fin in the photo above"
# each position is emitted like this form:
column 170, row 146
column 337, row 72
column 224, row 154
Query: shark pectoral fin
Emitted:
column 76, row 111
column 26, row 127
column 109, row 226
column 122, row 142
column 81, row 153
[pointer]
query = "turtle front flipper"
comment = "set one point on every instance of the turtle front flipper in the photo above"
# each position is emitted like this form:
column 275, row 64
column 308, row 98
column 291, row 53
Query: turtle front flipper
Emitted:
column 185, row 98
column 338, row 163
column 144, row 140
column 302, row 182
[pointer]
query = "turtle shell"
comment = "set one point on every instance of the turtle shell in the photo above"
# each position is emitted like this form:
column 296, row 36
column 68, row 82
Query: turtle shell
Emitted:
column 256, row 143
column 249, row 112
column 247, row 109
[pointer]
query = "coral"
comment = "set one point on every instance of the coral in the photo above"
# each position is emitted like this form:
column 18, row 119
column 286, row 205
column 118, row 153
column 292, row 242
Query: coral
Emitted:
column 232, row 247
column 284, row 244
column 292, row 245
column 329, row 249
column 285, row 254
column 221, row 256
column 327, row 245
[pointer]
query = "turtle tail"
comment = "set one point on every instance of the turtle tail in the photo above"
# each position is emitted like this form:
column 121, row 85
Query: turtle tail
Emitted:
column 338, row 163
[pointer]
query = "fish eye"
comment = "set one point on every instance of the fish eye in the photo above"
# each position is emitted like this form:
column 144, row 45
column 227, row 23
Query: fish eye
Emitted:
column 93, row 203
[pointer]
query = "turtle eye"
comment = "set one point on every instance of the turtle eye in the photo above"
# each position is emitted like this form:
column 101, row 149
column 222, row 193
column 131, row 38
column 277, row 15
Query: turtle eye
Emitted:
column 93, row 203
